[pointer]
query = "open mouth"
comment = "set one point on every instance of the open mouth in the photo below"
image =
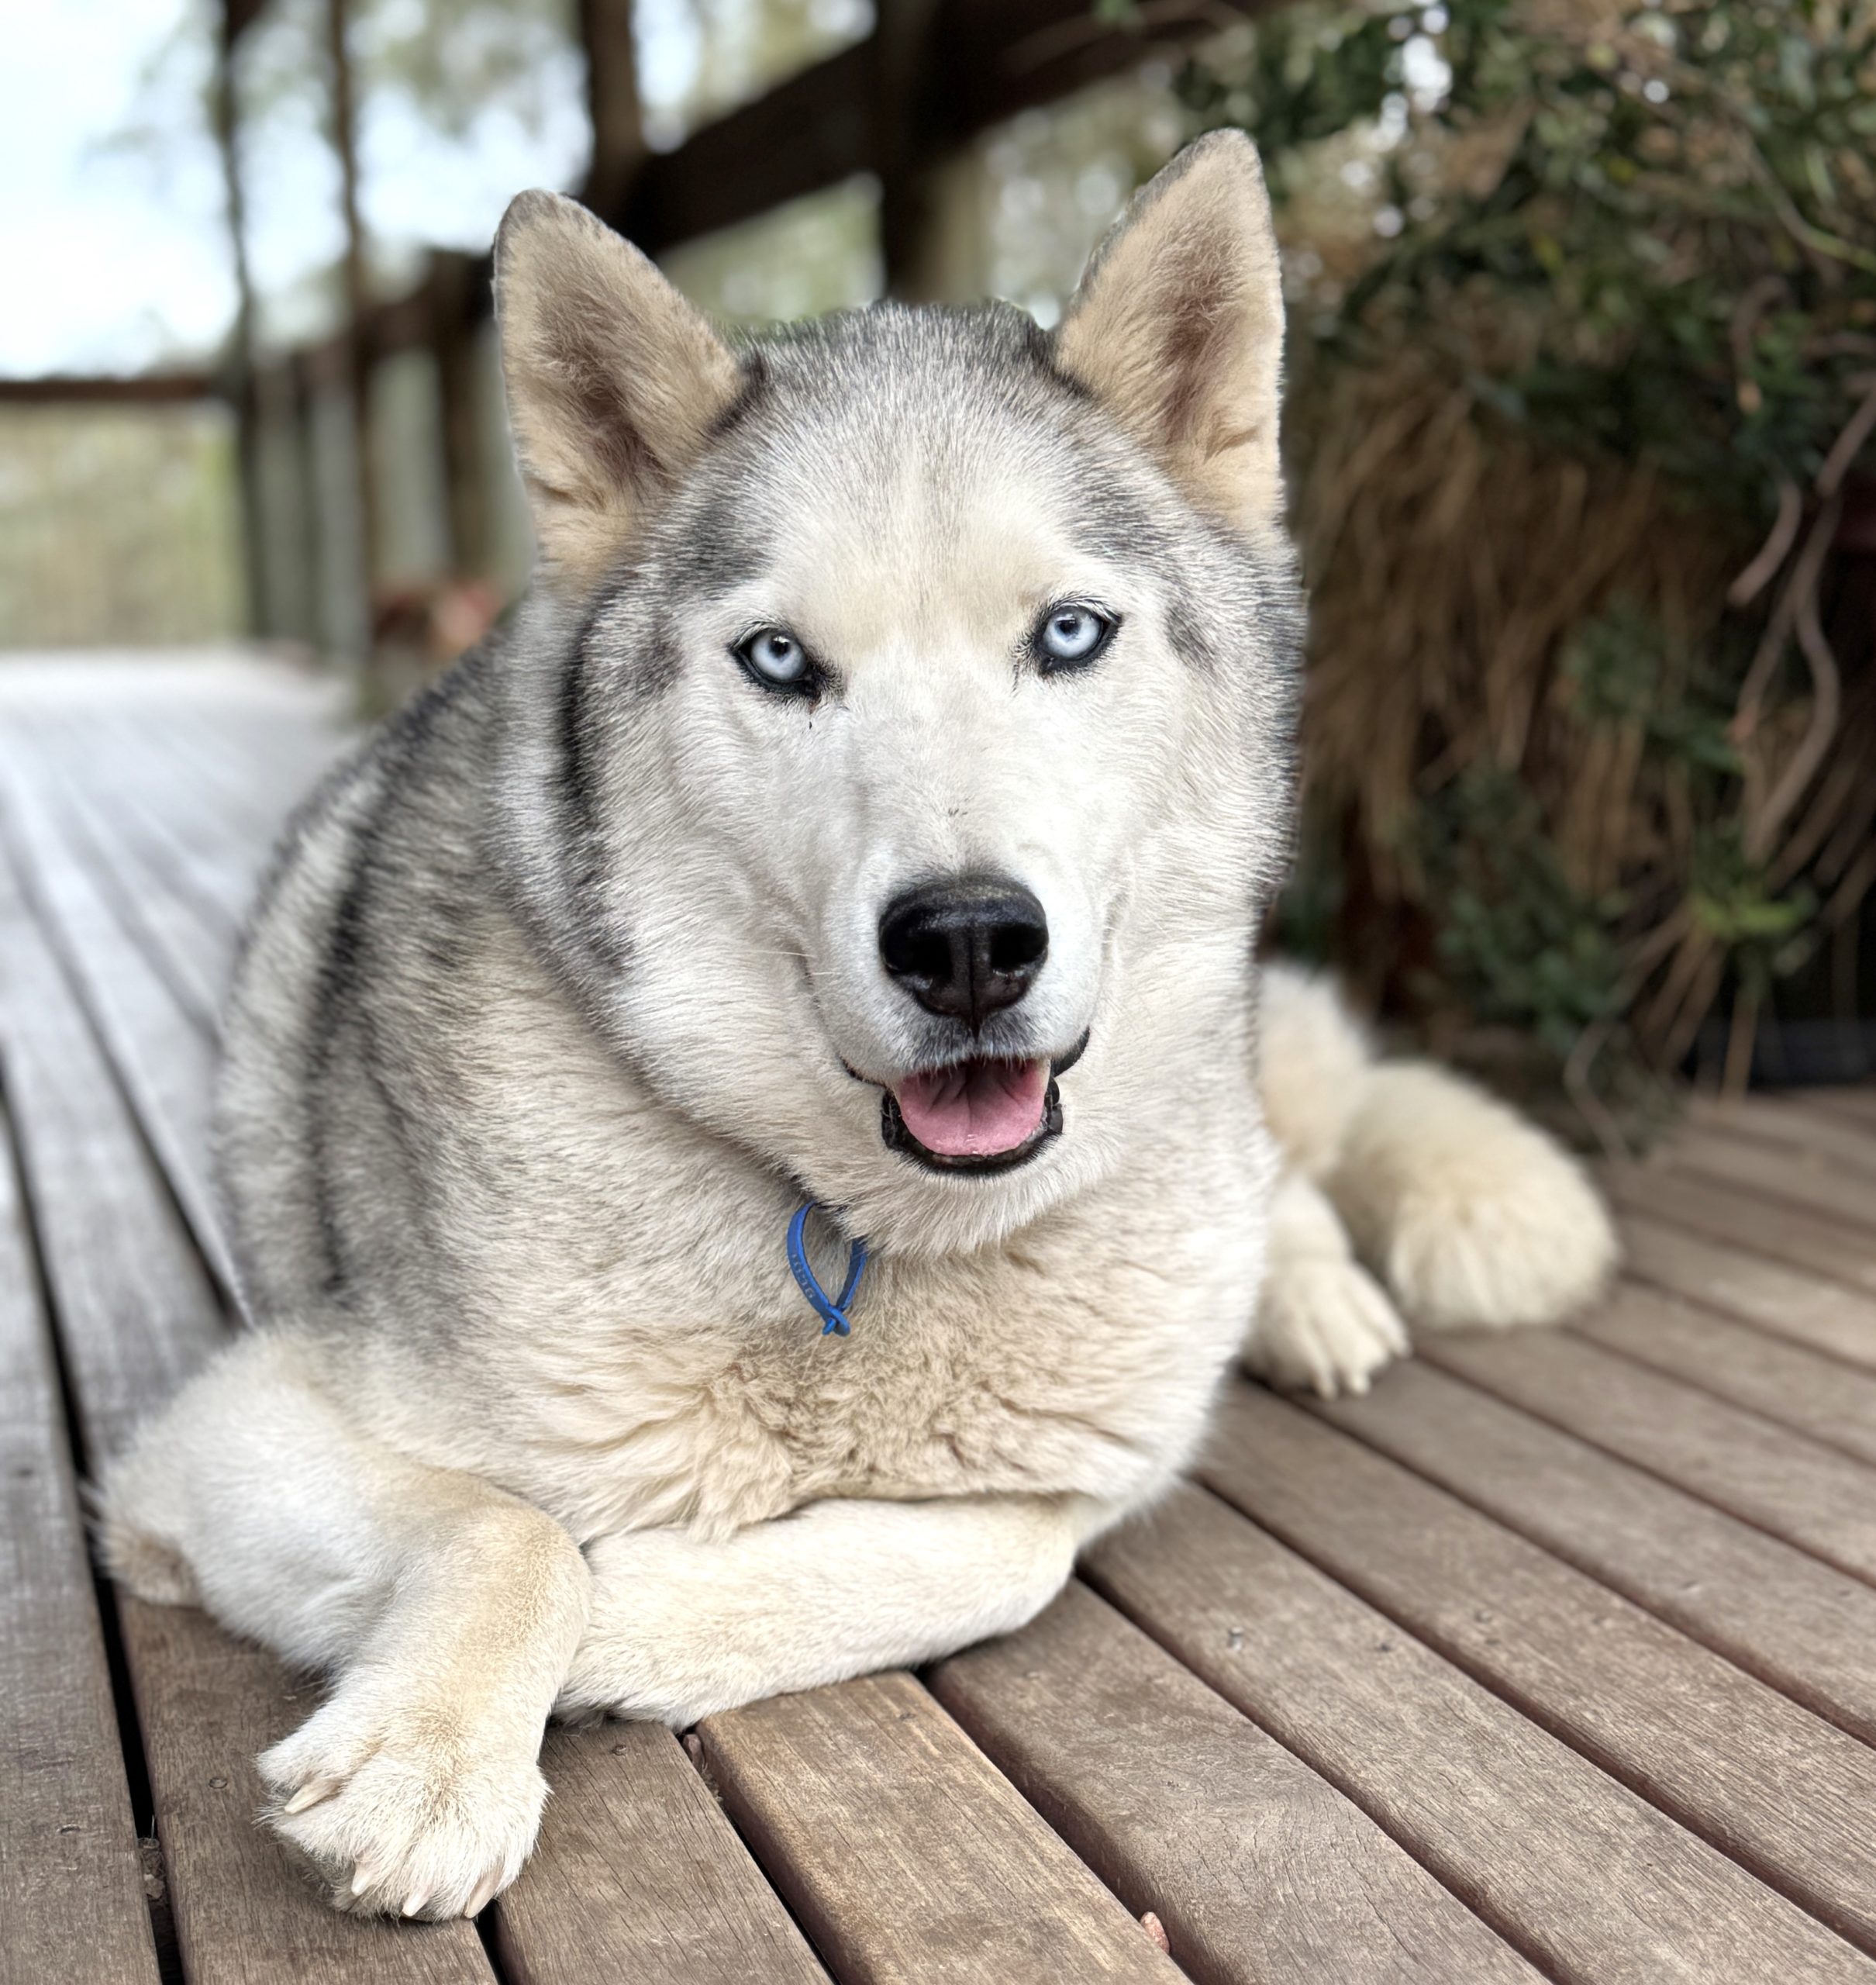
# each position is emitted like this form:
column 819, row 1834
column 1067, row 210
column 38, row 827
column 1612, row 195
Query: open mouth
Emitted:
column 979, row 1115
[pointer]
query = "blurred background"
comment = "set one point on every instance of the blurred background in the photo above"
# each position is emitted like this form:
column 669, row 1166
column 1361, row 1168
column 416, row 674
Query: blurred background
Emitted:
column 1582, row 389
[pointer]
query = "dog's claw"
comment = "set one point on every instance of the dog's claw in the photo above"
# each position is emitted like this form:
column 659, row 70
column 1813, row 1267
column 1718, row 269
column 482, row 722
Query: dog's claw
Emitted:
column 416, row 1901
column 311, row 1794
column 484, row 1894
column 363, row 1878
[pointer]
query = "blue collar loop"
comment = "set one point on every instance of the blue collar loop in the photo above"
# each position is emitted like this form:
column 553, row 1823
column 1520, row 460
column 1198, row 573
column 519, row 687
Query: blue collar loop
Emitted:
column 831, row 1311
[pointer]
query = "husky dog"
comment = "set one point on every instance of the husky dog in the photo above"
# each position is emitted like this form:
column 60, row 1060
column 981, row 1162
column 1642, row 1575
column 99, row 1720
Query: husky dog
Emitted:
column 872, row 808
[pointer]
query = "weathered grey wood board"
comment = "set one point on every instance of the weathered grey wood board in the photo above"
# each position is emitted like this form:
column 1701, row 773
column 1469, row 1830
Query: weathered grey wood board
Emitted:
column 1549, row 1658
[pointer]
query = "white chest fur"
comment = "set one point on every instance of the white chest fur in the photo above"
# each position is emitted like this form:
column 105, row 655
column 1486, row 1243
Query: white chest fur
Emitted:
column 677, row 1374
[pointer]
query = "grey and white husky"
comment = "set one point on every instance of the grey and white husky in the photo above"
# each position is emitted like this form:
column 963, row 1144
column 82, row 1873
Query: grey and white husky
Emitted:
column 872, row 809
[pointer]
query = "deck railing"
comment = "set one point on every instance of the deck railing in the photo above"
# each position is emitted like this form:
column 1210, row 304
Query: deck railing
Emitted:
column 373, row 474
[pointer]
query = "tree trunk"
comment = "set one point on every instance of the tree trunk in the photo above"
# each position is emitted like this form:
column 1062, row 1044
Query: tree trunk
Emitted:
column 345, row 144
column 611, row 102
column 238, row 363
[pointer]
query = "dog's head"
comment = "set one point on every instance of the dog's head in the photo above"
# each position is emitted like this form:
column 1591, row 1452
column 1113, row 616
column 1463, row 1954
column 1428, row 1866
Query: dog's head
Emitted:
column 911, row 769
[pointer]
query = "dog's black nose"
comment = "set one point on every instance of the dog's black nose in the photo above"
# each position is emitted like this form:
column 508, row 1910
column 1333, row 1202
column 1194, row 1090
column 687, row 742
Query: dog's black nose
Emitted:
column 967, row 946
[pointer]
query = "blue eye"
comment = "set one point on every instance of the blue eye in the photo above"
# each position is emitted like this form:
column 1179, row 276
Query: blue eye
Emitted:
column 1070, row 636
column 776, row 658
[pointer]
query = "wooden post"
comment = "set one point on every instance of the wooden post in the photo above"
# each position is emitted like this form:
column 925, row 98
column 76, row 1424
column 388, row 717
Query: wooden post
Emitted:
column 240, row 361
column 904, row 49
column 358, row 301
column 299, row 394
column 611, row 102
column 454, row 299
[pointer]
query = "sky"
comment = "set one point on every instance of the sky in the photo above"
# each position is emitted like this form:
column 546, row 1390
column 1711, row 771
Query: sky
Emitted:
column 116, row 260
column 107, row 263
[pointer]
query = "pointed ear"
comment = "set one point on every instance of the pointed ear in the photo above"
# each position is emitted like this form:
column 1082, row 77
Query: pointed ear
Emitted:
column 613, row 380
column 1178, row 328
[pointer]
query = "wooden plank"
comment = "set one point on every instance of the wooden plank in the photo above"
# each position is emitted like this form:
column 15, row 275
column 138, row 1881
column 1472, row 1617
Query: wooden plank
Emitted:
column 136, row 1313
column 639, row 1874
column 1589, row 1880
column 1812, row 1181
column 1257, row 1868
column 1779, row 1614
column 1821, row 1501
column 1799, row 1388
column 1856, row 1104
column 1804, row 1308
column 71, row 1893
column 1687, row 1729
column 190, row 951
column 162, row 1056
column 905, row 1854
column 1786, row 1233
column 252, row 767
column 208, row 836
column 194, row 848
column 209, row 1704
column 1789, row 1123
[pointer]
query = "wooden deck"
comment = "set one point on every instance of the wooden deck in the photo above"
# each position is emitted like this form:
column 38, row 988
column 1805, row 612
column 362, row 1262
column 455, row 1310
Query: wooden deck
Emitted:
column 1555, row 1657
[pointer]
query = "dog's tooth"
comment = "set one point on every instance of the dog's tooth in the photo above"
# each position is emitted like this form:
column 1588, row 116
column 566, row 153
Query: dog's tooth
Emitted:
column 311, row 1794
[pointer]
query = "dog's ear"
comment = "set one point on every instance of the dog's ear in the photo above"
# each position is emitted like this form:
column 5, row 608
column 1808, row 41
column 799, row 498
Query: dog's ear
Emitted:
column 1177, row 328
column 613, row 380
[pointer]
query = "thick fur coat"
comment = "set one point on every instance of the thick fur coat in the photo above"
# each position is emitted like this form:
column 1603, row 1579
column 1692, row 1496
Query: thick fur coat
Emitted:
column 568, row 991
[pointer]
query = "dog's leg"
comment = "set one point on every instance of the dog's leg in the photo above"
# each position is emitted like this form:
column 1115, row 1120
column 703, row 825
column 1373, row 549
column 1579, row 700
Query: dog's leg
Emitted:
column 1470, row 1214
column 681, row 1627
column 1322, row 1320
column 446, row 1610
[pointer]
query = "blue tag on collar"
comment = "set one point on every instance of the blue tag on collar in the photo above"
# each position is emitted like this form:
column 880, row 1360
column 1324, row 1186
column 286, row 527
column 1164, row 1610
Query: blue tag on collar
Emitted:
column 832, row 1313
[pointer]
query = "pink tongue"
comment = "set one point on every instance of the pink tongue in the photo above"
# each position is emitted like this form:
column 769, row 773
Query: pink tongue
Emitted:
column 979, row 1110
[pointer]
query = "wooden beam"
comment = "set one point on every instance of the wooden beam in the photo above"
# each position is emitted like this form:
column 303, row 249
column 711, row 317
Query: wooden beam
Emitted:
column 905, row 110
column 986, row 60
column 144, row 389
column 453, row 331
column 810, row 132
column 612, row 101
column 237, row 17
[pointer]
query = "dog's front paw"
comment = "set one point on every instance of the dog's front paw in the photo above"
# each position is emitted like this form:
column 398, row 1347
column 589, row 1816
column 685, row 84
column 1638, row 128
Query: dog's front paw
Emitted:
column 406, row 1807
column 1323, row 1324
